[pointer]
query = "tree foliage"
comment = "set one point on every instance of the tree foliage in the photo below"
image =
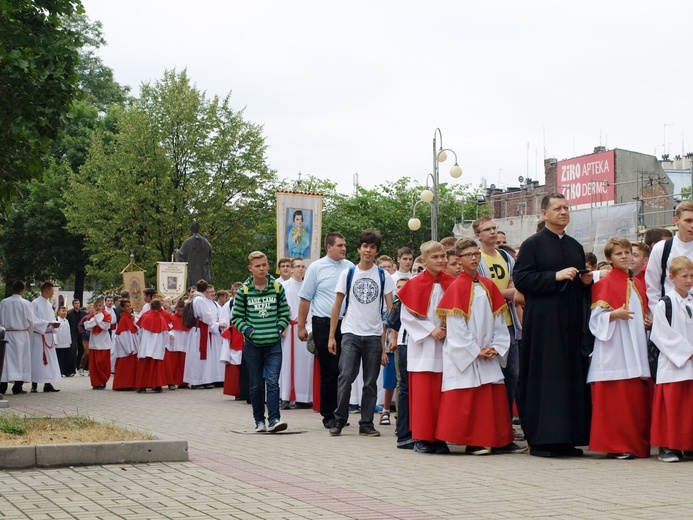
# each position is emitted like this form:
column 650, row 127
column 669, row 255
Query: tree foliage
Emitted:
column 172, row 157
column 38, row 81
column 388, row 208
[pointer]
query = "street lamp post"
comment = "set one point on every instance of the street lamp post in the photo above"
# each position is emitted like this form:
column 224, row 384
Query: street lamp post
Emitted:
column 432, row 197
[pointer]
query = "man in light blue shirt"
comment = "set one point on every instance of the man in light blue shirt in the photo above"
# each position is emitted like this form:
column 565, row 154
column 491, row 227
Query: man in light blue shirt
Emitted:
column 318, row 295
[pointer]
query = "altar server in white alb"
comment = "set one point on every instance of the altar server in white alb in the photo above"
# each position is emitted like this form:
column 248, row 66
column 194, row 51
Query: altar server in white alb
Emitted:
column 672, row 420
column 17, row 316
column 474, row 402
column 44, row 360
column 296, row 376
column 619, row 371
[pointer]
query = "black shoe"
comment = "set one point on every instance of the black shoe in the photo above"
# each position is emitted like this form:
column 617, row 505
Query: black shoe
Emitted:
column 158, row 389
column 336, row 428
column 17, row 389
column 285, row 405
column 3, row 388
column 367, row 430
column 441, row 448
column 539, row 452
column 569, row 451
column 424, row 447
column 328, row 422
column 50, row 388
column 34, row 390
column 408, row 445
column 477, row 450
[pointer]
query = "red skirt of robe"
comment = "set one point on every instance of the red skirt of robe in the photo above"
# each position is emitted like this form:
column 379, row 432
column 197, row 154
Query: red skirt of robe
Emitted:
column 424, row 402
column 621, row 417
column 672, row 420
column 475, row 416
column 232, row 380
column 125, row 373
column 99, row 366
column 150, row 373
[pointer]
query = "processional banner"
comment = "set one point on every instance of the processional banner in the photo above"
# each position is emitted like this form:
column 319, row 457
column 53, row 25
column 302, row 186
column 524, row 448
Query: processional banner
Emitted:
column 171, row 278
column 133, row 281
column 299, row 225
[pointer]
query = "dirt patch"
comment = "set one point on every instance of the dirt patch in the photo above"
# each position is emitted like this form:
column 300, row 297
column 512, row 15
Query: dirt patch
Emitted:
column 16, row 430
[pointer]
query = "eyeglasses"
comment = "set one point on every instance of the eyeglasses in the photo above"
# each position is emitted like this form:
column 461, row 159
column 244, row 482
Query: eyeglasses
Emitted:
column 471, row 255
column 494, row 228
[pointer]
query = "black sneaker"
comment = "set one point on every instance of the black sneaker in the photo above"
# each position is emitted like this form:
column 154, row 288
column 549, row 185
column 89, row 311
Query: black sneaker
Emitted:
column 477, row 450
column 276, row 426
column 510, row 448
column 336, row 428
column 424, row 447
column 368, row 431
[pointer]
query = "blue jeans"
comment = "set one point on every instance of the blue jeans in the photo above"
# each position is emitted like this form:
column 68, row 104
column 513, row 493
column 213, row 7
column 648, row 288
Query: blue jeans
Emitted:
column 269, row 360
column 403, row 430
column 356, row 350
column 511, row 372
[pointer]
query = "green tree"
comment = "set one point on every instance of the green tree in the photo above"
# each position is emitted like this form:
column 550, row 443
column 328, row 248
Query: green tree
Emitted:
column 38, row 82
column 388, row 208
column 172, row 157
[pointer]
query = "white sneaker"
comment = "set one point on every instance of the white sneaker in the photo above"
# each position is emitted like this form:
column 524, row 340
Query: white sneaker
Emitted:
column 277, row 426
column 260, row 427
column 81, row 371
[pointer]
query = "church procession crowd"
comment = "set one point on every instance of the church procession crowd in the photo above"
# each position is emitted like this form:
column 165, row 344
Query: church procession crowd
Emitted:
column 466, row 339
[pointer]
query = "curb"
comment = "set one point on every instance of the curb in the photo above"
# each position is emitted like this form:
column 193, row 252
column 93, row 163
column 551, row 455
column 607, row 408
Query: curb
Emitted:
column 96, row 453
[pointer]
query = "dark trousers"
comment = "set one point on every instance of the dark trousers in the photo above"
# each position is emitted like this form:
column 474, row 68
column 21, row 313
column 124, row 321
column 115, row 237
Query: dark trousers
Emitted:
column 329, row 366
column 403, row 430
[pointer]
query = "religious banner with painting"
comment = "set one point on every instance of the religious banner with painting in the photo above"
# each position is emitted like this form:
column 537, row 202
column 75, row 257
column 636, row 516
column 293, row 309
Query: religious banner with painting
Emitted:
column 171, row 279
column 133, row 281
column 299, row 225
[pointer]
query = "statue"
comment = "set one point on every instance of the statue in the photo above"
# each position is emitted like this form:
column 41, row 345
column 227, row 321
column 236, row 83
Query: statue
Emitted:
column 197, row 251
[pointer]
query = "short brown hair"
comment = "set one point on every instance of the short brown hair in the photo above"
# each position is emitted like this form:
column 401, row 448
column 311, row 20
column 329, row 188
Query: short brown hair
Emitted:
column 476, row 225
column 464, row 243
column 284, row 260
column 643, row 247
column 448, row 242
column 616, row 241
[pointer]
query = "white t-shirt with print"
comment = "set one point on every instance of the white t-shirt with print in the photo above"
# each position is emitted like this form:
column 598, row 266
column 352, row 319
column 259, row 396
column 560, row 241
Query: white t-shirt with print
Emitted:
column 364, row 316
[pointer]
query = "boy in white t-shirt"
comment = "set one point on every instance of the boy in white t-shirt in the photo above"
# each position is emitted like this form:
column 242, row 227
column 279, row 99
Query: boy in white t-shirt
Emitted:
column 365, row 287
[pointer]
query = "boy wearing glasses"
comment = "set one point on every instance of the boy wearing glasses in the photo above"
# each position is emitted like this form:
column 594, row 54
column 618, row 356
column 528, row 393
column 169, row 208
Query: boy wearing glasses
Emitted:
column 498, row 265
column 473, row 404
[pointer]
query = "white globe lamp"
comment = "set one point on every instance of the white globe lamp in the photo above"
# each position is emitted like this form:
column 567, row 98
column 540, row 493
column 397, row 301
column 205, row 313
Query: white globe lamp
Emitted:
column 426, row 195
column 414, row 224
column 456, row 171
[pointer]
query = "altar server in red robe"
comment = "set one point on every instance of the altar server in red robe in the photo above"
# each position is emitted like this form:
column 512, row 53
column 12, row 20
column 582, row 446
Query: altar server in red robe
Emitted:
column 619, row 372
column 420, row 297
column 474, row 401
column 100, row 344
column 125, row 345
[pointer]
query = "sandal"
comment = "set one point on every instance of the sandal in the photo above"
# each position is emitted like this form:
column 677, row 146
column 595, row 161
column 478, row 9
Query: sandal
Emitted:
column 385, row 419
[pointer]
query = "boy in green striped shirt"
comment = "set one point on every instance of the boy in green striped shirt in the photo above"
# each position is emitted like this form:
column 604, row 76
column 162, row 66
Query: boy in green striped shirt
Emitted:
column 261, row 313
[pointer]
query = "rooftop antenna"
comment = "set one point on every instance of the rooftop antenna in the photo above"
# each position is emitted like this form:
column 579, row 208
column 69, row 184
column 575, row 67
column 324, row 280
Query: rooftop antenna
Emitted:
column 527, row 158
column 356, row 182
column 543, row 129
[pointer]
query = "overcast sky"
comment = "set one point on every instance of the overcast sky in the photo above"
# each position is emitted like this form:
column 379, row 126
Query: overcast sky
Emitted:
column 361, row 86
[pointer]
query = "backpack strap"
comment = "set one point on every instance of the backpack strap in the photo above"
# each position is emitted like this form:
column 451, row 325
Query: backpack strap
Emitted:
column 381, row 274
column 665, row 258
column 505, row 256
column 350, row 278
column 276, row 286
column 667, row 308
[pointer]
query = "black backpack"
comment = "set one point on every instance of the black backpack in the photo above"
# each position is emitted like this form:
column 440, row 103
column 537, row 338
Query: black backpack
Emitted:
column 652, row 350
column 189, row 319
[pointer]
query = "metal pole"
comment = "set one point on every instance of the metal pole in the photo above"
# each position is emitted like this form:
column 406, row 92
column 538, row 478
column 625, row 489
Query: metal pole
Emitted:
column 436, row 181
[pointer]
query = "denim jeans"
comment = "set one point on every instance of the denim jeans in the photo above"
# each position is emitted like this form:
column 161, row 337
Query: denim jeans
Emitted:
column 403, row 430
column 329, row 366
column 356, row 350
column 511, row 372
column 269, row 360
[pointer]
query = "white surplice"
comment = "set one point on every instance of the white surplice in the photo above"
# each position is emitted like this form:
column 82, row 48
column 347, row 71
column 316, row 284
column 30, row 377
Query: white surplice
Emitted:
column 303, row 361
column 17, row 316
column 462, row 368
column 44, row 360
column 424, row 352
column 675, row 342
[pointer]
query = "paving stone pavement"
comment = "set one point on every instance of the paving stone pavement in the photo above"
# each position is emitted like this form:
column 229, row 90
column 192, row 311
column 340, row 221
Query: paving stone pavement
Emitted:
column 305, row 473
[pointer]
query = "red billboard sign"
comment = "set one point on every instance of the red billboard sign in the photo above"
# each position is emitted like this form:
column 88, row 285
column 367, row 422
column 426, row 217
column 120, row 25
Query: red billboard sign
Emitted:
column 588, row 179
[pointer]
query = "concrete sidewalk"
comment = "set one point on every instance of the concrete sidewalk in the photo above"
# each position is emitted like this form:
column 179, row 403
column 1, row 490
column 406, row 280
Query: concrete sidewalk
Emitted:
column 305, row 473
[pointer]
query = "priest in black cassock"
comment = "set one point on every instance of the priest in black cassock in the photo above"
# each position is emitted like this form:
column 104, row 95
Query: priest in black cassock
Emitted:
column 553, row 396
